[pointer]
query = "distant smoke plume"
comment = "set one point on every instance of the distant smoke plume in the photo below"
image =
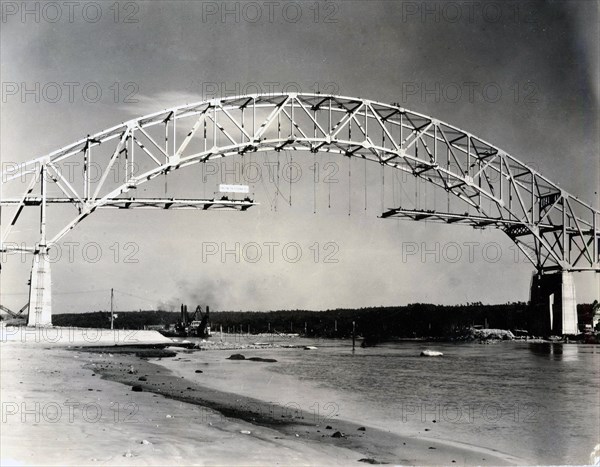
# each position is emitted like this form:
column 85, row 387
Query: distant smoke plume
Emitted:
column 211, row 292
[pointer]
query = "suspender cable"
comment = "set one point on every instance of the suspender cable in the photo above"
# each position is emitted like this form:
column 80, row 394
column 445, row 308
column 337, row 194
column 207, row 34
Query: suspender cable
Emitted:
column 126, row 163
column 349, row 168
column 365, row 161
column 315, row 164
column 382, row 186
column 291, row 169
column 205, row 142
column 401, row 189
column 416, row 193
column 328, row 181
column 417, row 203
column 277, row 187
column 434, row 199
column 132, row 168
column 243, row 138
column 349, row 184
column 315, row 183
column 393, row 188
column 215, row 138
column 204, row 179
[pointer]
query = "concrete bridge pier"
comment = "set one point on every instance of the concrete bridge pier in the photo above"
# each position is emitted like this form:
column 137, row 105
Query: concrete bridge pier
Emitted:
column 554, row 304
column 40, row 297
column 40, row 292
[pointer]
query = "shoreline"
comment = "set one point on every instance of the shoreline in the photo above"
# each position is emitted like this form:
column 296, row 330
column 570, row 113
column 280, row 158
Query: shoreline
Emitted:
column 58, row 410
column 373, row 445
column 177, row 416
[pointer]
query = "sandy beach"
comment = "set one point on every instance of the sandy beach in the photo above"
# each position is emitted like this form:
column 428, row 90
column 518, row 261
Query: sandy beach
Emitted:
column 76, row 406
column 58, row 411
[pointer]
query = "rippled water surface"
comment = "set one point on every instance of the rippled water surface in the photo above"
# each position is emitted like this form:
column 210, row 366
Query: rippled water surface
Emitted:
column 538, row 402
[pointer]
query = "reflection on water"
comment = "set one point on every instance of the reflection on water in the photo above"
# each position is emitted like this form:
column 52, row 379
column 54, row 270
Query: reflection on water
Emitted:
column 556, row 351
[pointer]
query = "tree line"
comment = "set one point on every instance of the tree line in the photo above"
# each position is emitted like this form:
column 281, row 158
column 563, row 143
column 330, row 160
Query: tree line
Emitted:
column 414, row 320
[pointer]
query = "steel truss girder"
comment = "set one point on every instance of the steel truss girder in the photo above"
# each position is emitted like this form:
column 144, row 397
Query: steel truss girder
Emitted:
column 158, row 203
column 563, row 231
column 14, row 314
column 536, row 250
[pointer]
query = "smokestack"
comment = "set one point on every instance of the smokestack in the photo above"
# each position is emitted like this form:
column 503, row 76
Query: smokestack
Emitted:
column 207, row 311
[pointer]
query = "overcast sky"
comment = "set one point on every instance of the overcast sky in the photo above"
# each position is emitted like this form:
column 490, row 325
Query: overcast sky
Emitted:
column 527, row 81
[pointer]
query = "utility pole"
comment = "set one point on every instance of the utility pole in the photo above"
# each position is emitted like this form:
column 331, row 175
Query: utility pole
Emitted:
column 112, row 315
column 353, row 334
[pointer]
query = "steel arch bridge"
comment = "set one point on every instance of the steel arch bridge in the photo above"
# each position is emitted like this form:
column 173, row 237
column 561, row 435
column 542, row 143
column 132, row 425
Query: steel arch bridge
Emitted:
column 556, row 231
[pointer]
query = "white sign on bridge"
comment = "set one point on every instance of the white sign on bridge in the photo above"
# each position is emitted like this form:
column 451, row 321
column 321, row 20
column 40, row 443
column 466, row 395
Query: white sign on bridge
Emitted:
column 234, row 188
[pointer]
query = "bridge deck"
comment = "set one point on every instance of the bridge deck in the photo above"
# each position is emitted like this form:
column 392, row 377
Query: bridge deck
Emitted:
column 157, row 203
column 514, row 226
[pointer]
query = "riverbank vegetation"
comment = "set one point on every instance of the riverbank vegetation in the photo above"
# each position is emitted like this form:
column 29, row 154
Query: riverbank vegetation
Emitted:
column 410, row 321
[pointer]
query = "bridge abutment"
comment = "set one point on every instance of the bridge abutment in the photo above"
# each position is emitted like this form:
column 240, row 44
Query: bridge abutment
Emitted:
column 40, row 297
column 554, row 304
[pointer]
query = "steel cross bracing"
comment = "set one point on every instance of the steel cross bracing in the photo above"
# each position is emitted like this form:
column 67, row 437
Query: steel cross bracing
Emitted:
column 554, row 229
column 14, row 314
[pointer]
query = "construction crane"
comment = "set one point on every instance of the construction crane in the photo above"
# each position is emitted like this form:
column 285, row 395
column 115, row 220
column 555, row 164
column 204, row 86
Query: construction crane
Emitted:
column 195, row 325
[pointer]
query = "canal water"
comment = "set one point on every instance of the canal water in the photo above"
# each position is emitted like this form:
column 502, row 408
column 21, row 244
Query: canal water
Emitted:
column 539, row 402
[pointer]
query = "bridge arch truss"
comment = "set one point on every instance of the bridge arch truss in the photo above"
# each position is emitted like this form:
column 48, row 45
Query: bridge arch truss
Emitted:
column 554, row 229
